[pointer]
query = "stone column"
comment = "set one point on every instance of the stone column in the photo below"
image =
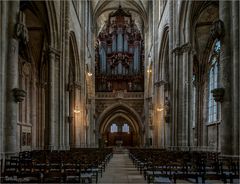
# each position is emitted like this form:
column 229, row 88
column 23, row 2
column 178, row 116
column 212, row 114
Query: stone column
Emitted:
column 33, row 111
column 71, row 117
column 3, row 55
column 51, row 100
column 171, row 71
column 12, row 81
column 186, row 119
column 235, row 67
column 225, row 80
column 65, row 127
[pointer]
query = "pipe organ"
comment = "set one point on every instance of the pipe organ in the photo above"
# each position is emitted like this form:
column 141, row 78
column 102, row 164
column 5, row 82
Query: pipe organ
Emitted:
column 119, row 55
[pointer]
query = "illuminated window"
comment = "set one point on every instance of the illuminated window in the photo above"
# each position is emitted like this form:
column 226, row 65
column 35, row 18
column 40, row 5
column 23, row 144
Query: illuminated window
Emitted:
column 126, row 128
column 114, row 128
column 213, row 81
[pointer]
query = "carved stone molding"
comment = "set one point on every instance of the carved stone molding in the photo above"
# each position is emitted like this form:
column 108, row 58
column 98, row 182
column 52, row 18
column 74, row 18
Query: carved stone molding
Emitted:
column 160, row 83
column 26, row 69
column 72, row 86
column 217, row 29
column 176, row 50
column 42, row 84
column 164, row 83
column 54, row 51
column 21, row 30
column 22, row 33
column 19, row 94
column 186, row 47
column 218, row 94
column 167, row 110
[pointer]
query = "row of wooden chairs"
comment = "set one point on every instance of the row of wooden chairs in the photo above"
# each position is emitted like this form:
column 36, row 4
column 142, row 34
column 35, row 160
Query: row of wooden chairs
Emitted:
column 46, row 166
column 165, row 166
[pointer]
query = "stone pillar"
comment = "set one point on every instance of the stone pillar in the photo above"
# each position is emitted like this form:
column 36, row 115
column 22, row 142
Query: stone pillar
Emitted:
column 186, row 119
column 3, row 55
column 52, row 141
column 33, row 116
column 65, row 131
column 235, row 67
column 171, row 72
column 71, row 117
column 225, row 80
column 12, row 81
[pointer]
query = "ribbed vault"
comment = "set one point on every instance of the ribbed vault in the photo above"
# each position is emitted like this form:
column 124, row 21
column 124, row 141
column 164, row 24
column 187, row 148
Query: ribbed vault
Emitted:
column 102, row 8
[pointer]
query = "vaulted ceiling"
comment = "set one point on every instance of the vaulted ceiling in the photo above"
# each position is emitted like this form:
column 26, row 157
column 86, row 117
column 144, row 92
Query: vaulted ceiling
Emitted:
column 138, row 9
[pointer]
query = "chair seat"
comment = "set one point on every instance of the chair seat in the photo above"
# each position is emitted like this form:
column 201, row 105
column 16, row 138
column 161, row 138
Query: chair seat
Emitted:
column 161, row 179
column 29, row 179
column 86, row 175
column 155, row 172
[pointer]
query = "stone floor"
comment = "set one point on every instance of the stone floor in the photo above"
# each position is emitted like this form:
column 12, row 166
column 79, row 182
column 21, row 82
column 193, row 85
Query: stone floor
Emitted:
column 121, row 170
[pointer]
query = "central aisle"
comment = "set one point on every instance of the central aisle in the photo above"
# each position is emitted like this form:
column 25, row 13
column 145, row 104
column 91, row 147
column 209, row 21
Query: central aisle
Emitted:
column 121, row 170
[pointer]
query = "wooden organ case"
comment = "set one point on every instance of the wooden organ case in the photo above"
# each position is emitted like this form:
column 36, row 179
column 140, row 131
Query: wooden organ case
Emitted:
column 119, row 55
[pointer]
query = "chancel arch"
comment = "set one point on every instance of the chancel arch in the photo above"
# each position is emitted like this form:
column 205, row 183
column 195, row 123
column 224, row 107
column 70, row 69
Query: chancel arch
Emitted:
column 121, row 113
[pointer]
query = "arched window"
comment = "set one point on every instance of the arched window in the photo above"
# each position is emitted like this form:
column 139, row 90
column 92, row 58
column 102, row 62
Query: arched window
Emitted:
column 114, row 128
column 126, row 128
column 213, row 81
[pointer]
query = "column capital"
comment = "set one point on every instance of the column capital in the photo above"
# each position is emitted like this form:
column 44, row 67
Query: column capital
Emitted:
column 73, row 85
column 186, row 47
column 21, row 31
column 52, row 50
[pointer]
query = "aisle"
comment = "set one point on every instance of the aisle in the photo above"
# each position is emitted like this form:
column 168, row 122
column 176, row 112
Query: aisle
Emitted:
column 121, row 170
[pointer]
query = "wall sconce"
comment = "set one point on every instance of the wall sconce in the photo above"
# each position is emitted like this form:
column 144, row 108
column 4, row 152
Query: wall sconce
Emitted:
column 160, row 109
column 77, row 110
column 88, row 71
column 149, row 71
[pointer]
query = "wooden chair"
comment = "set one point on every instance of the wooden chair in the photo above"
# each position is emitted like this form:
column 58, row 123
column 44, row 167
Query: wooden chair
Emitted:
column 71, row 170
column 11, row 171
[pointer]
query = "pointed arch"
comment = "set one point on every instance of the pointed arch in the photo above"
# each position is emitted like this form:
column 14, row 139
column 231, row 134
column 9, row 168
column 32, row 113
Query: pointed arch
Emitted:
column 163, row 53
column 76, row 62
column 53, row 24
column 119, row 109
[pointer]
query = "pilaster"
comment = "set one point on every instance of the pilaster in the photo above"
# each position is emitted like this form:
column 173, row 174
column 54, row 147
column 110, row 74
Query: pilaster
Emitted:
column 12, row 81
column 225, row 80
